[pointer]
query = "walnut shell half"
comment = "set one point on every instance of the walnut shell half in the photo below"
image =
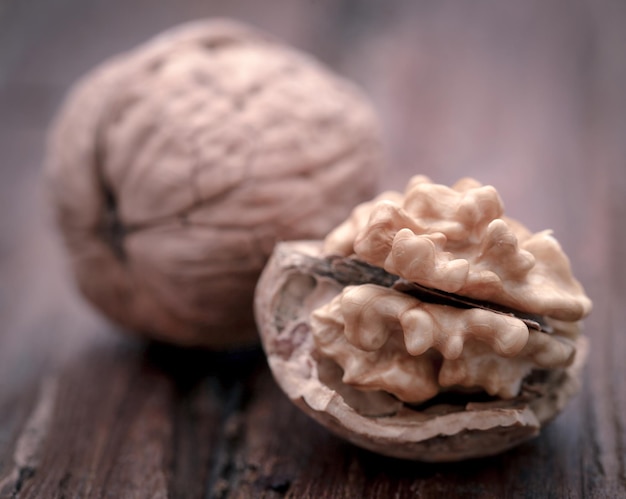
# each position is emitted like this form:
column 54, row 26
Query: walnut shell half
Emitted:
column 294, row 284
column 174, row 168
column 418, row 372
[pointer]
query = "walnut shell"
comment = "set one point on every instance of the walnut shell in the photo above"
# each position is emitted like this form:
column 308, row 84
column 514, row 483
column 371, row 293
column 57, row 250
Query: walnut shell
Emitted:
column 173, row 170
column 417, row 372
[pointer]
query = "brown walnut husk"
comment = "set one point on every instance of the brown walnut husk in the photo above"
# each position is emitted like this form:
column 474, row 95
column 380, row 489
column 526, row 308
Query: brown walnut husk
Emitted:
column 173, row 170
column 357, row 336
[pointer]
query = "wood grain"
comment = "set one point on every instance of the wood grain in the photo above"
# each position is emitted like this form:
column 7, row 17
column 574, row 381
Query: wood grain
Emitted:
column 527, row 96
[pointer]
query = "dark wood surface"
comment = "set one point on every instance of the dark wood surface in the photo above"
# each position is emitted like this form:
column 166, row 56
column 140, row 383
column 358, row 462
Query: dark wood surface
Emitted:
column 529, row 96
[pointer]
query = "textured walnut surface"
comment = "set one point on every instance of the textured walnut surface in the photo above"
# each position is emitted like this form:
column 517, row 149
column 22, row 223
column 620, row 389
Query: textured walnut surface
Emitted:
column 447, row 239
column 174, row 168
column 458, row 239
column 528, row 97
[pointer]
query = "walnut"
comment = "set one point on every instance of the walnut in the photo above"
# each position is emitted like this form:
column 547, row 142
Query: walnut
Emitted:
column 427, row 325
column 173, row 170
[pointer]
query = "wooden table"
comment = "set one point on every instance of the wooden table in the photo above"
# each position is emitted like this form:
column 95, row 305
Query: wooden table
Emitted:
column 528, row 96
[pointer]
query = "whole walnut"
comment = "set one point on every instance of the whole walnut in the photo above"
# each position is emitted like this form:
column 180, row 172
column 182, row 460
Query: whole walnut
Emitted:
column 175, row 168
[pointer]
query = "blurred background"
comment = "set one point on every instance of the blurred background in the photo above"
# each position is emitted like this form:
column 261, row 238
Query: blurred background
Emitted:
column 529, row 96
column 487, row 89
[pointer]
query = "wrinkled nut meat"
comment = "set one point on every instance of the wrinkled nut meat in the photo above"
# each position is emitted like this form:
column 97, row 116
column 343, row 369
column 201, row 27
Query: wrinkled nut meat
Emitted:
column 175, row 168
column 427, row 326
